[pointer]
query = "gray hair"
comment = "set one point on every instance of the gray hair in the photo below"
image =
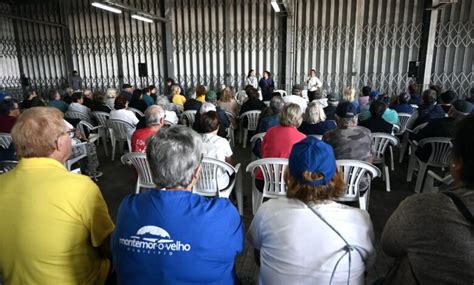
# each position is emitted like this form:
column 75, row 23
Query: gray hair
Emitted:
column 165, row 103
column 314, row 113
column 291, row 116
column 154, row 114
column 206, row 107
column 344, row 123
column 174, row 154
column 276, row 104
column 111, row 93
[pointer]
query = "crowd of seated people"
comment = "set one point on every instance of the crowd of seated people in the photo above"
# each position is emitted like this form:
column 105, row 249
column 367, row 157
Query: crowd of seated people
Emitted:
column 160, row 233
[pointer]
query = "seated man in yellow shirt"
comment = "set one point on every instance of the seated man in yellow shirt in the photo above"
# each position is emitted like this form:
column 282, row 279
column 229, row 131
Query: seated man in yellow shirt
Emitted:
column 54, row 225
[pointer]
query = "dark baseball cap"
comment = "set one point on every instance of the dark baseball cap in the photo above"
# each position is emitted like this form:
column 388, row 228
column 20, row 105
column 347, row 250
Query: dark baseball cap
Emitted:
column 346, row 110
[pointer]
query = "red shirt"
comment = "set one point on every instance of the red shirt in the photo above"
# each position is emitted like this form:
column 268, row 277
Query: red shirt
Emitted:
column 6, row 124
column 139, row 139
column 278, row 142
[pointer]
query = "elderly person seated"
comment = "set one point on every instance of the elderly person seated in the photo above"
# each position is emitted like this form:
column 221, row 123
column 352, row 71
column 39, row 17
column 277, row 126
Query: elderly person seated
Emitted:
column 228, row 103
column 403, row 105
column 121, row 113
column 330, row 110
column 223, row 119
column 430, row 234
column 296, row 97
column 376, row 122
column 278, row 140
column 191, row 102
column 176, row 236
column 177, row 98
column 314, row 122
column 110, row 95
column 445, row 100
column 442, row 127
column 428, row 109
column 270, row 115
column 348, row 94
column 364, row 99
column 307, row 238
column 56, row 102
column 98, row 102
column 77, row 104
column 155, row 119
column 215, row 146
column 40, row 199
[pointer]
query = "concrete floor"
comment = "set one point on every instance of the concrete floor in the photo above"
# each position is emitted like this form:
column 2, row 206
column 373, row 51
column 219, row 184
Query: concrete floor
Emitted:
column 119, row 180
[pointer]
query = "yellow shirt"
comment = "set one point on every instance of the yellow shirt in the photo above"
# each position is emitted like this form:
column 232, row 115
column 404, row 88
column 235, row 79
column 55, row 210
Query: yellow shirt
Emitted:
column 201, row 98
column 179, row 100
column 51, row 223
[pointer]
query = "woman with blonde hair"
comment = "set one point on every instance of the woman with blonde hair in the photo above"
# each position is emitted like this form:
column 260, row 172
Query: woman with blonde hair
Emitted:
column 177, row 98
column 307, row 238
column 349, row 95
column 110, row 95
column 314, row 120
column 228, row 103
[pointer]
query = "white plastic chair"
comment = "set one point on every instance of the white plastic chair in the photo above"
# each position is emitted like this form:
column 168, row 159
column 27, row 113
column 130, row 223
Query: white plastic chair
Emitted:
column 253, row 141
column 140, row 163
column 231, row 129
column 190, row 116
column 353, row 171
column 408, row 129
column 431, row 177
column 282, row 92
column 119, row 132
column 380, row 142
column 7, row 165
column 207, row 182
column 440, row 157
column 404, row 118
column 274, row 183
column 78, row 115
column 93, row 137
column 5, row 140
column 136, row 111
column 78, row 152
column 252, row 119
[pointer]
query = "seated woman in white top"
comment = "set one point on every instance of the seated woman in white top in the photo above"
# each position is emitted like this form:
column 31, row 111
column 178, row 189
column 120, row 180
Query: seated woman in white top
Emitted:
column 121, row 112
column 215, row 146
column 302, row 239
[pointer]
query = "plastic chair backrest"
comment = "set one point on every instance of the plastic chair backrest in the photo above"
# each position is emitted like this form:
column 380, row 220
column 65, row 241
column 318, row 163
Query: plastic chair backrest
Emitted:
column 140, row 162
column 7, row 165
column 282, row 92
column 120, row 128
column 404, row 118
column 136, row 111
column 5, row 140
column 190, row 116
column 352, row 172
column 252, row 118
column 82, row 126
column 440, row 150
column 77, row 115
column 256, row 137
column 380, row 141
column 207, row 182
column 230, row 116
column 273, row 170
column 101, row 117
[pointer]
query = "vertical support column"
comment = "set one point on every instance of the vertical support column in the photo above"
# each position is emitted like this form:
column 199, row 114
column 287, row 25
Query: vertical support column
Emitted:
column 118, row 48
column 430, row 19
column 19, row 56
column 167, row 32
column 65, row 6
column 359, row 22
column 287, row 48
column 227, row 73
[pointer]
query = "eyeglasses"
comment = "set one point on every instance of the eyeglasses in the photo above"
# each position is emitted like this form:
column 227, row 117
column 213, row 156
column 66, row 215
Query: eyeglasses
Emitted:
column 71, row 133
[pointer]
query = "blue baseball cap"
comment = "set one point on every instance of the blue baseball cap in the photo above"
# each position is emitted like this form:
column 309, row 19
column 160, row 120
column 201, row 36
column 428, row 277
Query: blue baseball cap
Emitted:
column 314, row 156
column 346, row 110
column 374, row 94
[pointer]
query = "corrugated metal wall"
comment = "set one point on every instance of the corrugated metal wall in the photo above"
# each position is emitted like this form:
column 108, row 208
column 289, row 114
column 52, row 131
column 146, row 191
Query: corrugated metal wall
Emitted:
column 453, row 65
column 348, row 42
column 9, row 69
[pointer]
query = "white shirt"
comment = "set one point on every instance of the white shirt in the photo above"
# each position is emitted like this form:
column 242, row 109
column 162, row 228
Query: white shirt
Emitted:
column 170, row 116
column 124, row 115
column 219, row 148
column 252, row 80
column 297, row 247
column 298, row 100
column 76, row 107
column 314, row 83
column 110, row 102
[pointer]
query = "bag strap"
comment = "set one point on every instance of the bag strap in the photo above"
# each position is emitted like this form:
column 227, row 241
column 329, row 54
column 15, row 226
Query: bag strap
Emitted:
column 461, row 206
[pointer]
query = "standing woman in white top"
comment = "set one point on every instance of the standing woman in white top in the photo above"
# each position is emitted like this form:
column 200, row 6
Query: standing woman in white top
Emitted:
column 313, row 85
column 307, row 238
column 251, row 79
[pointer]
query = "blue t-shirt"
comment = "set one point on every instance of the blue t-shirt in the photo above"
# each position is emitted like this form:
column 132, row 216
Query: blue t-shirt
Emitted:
column 176, row 237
